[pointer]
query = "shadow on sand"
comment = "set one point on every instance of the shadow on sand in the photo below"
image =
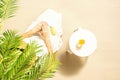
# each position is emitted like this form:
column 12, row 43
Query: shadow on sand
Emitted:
column 71, row 64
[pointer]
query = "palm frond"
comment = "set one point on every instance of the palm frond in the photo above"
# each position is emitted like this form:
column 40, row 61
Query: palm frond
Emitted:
column 10, row 41
column 7, row 10
column 8, row 51
column 45, row 67
column 24, row 65
column 48, row 66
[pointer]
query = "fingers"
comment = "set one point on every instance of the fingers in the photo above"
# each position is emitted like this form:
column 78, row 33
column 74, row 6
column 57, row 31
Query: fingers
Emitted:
column 44, row 29
column 44, row 33
column 41, row 35
column 44, row 23
column 39, row 27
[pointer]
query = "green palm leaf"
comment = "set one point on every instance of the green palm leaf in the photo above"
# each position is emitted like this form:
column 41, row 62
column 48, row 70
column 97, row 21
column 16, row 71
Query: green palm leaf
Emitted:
column 7, row 9
column 24, row 65
column 49, row 67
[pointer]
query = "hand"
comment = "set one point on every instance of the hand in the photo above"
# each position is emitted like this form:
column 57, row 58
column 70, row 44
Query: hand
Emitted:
column 44, row 34
column 35, row 30
column 39, row 27
column 42, row 30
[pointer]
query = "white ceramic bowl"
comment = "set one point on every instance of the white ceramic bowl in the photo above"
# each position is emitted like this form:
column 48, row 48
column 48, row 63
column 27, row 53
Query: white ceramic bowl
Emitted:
column 88, row 47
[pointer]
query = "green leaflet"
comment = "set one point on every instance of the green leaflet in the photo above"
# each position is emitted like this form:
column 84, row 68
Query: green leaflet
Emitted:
column 7, row 10
column 48, row 67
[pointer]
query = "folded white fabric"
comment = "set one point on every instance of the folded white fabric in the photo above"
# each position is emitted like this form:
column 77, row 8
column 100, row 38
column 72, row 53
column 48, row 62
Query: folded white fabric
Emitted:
column 82, row 42
column 53, row 19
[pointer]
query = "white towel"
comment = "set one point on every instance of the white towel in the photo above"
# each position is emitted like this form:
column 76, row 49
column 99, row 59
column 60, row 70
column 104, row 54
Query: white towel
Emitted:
column 53, row 19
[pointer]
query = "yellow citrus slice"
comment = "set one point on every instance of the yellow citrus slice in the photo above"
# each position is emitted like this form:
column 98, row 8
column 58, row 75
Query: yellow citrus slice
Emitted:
column 81, row 42
column 53, row 31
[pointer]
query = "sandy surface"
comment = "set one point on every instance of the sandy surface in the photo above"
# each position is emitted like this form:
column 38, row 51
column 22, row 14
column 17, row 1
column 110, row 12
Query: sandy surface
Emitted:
column 102, row 17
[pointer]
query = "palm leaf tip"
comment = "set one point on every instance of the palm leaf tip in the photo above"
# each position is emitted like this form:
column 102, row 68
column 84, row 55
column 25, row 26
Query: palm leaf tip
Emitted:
column 49, row 66
column 7, row 10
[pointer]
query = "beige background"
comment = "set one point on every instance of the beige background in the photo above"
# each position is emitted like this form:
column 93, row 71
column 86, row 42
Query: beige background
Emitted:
column 102, row 17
